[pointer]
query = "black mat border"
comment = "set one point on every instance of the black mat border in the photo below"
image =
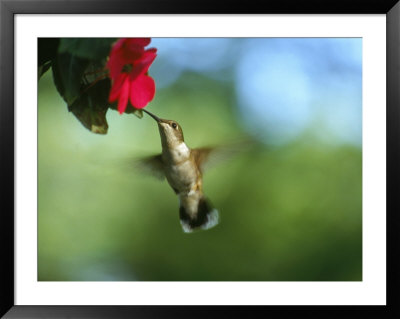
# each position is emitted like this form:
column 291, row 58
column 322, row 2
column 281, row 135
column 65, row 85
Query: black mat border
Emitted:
column 7, row 11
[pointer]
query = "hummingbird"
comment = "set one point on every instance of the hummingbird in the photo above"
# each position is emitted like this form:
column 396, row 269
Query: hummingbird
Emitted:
column 183, row 169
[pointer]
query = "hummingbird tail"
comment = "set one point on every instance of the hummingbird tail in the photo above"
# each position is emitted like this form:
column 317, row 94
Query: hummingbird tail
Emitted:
column 205, row 218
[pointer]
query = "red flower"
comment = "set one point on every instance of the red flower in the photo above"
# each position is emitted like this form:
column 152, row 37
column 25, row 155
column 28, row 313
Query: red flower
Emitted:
column 128, row 65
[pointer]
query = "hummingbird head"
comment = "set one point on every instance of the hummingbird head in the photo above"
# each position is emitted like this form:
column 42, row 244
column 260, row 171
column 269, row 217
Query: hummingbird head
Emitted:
column 170, row 131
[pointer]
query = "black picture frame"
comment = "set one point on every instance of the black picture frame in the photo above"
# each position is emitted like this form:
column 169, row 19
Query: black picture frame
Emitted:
column 8, row 10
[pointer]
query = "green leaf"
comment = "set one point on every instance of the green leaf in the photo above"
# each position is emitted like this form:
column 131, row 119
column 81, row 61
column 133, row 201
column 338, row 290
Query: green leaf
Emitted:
column 138, row 113
column 87, row 48
column 94, row 71
column 42, row 69
column 67, row 73
column 47, row 49
column 129, row 109
column 91, row 107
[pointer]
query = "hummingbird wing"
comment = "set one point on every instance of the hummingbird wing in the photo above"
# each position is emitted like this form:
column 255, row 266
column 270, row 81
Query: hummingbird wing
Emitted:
column 201, row 156
column 152, row 165
column 207, row 157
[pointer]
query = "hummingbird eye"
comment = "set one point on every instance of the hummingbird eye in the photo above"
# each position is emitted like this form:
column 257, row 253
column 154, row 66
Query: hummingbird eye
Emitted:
column 174, row 125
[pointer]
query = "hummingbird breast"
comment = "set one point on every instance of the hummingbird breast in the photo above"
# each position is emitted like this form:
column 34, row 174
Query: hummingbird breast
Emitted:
column 185, row 179
column 181, row 170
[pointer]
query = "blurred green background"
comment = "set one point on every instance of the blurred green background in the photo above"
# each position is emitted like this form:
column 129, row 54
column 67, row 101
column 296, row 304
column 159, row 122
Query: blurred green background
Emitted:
column 290, row 208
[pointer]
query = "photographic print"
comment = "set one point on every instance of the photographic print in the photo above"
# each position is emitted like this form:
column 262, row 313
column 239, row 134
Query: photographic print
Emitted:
column 199, row 159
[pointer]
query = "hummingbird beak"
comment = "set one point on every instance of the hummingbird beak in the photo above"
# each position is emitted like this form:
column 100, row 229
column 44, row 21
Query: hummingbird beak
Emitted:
column 153, row 116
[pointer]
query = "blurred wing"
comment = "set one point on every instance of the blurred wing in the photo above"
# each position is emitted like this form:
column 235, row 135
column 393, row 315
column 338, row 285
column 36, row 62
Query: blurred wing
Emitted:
column 152, row 165
column 207, row 157
column 202, row 156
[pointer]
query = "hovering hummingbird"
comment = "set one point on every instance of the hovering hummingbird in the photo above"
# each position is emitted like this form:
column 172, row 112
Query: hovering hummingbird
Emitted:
column 183, row 168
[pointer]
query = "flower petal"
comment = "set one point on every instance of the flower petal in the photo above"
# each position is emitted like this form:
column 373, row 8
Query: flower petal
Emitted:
column 123, row 96
column 138, row 41
column 116, row 87
column 148, row 56
column 133, row 44
column 142, row 66
column 125, row 51
column 142, row 91
column 115, row 65
column 118, row 45
column 129, row 54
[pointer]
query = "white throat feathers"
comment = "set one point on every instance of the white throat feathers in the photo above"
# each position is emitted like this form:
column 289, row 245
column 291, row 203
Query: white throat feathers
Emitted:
column 178, row 153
